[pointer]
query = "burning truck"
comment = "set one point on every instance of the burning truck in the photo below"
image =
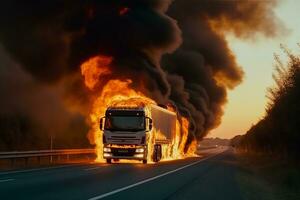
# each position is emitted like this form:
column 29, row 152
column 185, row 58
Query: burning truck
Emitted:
column 132, row 125
column 139, row 133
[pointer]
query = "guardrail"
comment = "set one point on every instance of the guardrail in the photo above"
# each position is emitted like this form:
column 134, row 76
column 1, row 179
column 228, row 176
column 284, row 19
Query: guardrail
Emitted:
column 51, row 154
column 42, row 153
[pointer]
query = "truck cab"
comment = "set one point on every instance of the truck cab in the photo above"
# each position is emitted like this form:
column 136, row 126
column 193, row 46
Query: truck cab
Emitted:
column 125, row 133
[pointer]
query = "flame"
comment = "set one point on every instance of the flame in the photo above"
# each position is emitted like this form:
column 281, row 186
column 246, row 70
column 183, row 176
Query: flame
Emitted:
column 94, row 68
column 119, row 93
column 114, row 93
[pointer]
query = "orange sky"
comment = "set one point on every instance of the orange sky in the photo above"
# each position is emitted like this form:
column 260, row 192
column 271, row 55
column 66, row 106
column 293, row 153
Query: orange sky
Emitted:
column 246, row 103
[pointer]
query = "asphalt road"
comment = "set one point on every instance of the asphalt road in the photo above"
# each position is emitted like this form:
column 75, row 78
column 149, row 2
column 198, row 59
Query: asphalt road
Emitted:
column 210, row 176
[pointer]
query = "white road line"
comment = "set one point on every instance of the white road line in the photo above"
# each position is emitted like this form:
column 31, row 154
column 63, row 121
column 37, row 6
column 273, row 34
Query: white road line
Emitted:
column 38, row 169
column 149, row 179
column 6, row 180
column 92, row 168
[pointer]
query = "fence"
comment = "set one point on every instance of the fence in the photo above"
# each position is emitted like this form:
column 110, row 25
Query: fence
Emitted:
column 26, row 155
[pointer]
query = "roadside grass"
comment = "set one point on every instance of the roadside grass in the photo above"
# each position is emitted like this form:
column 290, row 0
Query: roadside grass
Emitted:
column 265, row 177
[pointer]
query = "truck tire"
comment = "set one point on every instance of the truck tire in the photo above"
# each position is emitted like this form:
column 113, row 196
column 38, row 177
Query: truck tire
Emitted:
column 145, row 161
column 157, row 153
column 108, row 161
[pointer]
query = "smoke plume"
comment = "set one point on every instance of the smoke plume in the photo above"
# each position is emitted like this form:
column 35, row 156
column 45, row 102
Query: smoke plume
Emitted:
column 171, row 50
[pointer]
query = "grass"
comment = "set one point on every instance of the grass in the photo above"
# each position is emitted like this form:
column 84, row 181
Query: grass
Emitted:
column 265, row 177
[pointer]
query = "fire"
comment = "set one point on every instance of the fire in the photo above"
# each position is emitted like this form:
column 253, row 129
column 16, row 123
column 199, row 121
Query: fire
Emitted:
column 177, row 149
column 115, row 92
column 119, row 93
column 95, row 68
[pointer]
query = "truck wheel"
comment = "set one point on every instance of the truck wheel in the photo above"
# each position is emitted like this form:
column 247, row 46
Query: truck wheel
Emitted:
column 145, row 161
column 157, row 153
column 108, row 160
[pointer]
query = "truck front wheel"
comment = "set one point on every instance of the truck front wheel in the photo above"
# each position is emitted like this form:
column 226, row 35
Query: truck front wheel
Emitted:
column 108, row 160
column 145, row 161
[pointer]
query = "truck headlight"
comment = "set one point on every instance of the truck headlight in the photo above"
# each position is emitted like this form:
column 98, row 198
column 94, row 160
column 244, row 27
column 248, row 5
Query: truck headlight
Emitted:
column 139, row 156
column 106, row 149
column 141, row 150
column 107, row 155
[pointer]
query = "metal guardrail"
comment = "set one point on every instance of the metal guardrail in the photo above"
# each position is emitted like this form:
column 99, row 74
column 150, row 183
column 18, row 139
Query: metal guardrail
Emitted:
column 44, row 153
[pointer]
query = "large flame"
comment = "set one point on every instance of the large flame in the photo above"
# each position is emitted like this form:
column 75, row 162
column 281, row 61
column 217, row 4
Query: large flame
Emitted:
column 119, row 93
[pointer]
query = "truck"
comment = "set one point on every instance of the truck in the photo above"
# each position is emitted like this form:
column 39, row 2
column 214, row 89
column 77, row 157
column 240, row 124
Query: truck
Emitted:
column 137, row 132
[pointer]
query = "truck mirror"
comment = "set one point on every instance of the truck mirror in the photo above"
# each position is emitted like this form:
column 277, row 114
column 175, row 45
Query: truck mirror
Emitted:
column 101, row 123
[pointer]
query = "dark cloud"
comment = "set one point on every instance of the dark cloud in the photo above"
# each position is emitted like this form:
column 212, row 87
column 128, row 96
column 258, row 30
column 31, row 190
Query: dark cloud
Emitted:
column 21, row 95
column 204, row 67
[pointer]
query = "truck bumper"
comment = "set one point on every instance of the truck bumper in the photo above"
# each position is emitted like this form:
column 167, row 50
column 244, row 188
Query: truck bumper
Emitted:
column 135, row 153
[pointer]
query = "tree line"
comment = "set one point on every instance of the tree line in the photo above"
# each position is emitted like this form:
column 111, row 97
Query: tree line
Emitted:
column 278, row 132
column 19, row 132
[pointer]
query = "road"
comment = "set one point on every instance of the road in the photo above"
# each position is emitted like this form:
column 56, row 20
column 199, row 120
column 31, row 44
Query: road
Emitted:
column 210, row 176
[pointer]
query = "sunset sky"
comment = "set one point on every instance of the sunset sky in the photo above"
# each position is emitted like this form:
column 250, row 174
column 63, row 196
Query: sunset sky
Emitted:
column 246, row 103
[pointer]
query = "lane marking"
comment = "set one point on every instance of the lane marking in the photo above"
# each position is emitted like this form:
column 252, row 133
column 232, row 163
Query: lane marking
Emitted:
column 6, row 180
column 38, row 169
column 150, row 179
column 92, row 168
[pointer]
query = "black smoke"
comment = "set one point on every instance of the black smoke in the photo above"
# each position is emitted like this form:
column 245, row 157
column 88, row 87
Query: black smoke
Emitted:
column 51, row 39
column 204, row 67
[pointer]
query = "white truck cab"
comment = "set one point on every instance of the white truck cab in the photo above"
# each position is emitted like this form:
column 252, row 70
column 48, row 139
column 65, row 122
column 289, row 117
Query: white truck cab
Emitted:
column 126, row 132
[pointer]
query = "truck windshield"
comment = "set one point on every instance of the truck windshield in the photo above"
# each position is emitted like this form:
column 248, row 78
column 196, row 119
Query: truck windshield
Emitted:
column 125, row 123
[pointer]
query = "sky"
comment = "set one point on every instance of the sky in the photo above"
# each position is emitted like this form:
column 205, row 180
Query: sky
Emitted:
column 246, row 103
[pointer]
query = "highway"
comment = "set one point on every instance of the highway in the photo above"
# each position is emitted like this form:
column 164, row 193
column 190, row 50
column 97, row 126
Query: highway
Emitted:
column 209, row 176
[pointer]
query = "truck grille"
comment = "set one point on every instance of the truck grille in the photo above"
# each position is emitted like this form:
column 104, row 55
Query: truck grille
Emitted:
column 123, row 151
column 124, row 139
